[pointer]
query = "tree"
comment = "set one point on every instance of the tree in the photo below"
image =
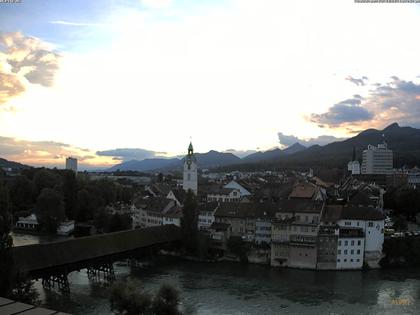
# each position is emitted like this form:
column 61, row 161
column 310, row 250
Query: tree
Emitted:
column 50, row 210
column 119, row 222
column 45, row 178
column 6, row 243
column 22, row 194
column 24, row 291
column 189, row 222
column 238, row 247
column 130, row 298
column 166, row 301
column 69, row 188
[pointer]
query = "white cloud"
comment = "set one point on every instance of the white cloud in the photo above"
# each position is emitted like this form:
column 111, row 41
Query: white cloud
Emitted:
column 156, row 4
column 229, row 74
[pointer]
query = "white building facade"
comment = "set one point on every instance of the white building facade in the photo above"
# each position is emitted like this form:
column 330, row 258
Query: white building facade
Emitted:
column 377, row 160
column 71, row 164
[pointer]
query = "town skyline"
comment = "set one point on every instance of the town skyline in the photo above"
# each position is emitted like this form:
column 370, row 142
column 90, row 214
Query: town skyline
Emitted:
column 176, row 69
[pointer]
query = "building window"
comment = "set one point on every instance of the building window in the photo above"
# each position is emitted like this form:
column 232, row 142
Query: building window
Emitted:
column 358, row 251
column 359, row 242
column 345, row 260
column 338, row 260
column 352, row 252
column 347, row 223
column 370, row 224
column 346, row 243
column 352, row 243
column 339, row 243
column 339, row 252
column 345, row 252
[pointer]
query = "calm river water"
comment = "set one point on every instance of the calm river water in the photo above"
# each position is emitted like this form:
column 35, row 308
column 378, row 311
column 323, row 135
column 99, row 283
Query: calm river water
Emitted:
column 231, row 288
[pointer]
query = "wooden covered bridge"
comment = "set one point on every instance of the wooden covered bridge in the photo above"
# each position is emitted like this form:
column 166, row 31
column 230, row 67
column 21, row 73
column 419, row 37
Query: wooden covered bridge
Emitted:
column 54, row 261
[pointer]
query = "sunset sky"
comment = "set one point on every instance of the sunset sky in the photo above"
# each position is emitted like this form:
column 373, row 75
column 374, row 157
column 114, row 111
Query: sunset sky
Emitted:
column 109, row 80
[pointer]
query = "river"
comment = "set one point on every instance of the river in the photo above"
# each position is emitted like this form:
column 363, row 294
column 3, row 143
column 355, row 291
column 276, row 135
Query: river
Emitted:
column 232, row 288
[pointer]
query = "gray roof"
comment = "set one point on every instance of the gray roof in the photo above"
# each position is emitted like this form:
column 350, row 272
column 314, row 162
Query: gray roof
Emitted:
column 333, row 213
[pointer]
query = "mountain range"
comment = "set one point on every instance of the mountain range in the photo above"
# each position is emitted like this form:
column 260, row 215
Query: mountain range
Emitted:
column 404, row 141
column 13, row 165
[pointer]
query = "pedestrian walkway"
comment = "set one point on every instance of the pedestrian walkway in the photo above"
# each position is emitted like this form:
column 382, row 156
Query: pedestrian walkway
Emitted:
column 9, row 307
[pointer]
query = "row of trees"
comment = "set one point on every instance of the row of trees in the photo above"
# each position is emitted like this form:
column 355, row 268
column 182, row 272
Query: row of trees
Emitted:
column 58, row 194
column 12, row 284
column 404, row 200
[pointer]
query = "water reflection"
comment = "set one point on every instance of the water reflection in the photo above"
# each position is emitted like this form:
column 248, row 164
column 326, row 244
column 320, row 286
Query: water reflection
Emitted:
column 228, row 288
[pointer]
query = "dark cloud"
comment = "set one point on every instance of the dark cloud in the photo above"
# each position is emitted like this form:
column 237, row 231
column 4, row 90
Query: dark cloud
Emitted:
column 360, row 82
column 395, row 101
column 288, row 140
column 130, row 154
column 398, row 100
column 346, row 111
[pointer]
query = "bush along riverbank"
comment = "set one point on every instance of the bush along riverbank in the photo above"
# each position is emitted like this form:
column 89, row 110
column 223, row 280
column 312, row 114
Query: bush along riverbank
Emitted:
column 401, row 252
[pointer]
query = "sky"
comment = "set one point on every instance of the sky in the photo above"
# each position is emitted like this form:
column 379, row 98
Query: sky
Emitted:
column 113, row 80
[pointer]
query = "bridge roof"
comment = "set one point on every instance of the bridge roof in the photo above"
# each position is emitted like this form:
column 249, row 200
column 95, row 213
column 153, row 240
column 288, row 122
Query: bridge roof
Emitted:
column 49, row 255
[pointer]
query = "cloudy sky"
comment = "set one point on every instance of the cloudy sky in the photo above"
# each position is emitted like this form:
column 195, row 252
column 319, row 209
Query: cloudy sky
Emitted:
column 112, row 80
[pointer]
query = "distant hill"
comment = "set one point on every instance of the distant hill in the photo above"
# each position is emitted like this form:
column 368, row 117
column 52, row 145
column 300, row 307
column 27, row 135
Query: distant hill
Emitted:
column 297, row 147
column 404, row 141
column 146, row 165
column 215, row 158
column 12, row 165
column 273, row 154
column 204, row 160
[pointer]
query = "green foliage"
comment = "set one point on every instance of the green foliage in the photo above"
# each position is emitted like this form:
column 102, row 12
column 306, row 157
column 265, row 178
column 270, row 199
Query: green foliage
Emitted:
column 118, row 222
column 25, row 292
column 189, row 222
column 50, row 210
column 166, row 301
column 238, row 247
column 69, row 189
column 401, row 252
column 6, row 242
column 106, row 222
column 404, row 200
column 82, row 199
column 45, row 178
column 400, row 224
column 23, row 194
column 129, row 298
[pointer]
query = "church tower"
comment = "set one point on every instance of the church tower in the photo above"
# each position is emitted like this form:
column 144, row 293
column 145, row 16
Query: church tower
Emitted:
column 190, row 171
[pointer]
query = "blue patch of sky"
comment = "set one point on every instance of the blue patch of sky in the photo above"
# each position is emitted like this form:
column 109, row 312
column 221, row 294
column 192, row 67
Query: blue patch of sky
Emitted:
column 35, row 17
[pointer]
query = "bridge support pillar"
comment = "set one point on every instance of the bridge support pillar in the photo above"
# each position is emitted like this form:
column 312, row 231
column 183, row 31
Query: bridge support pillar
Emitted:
column 60, row 279
column 100, row 272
